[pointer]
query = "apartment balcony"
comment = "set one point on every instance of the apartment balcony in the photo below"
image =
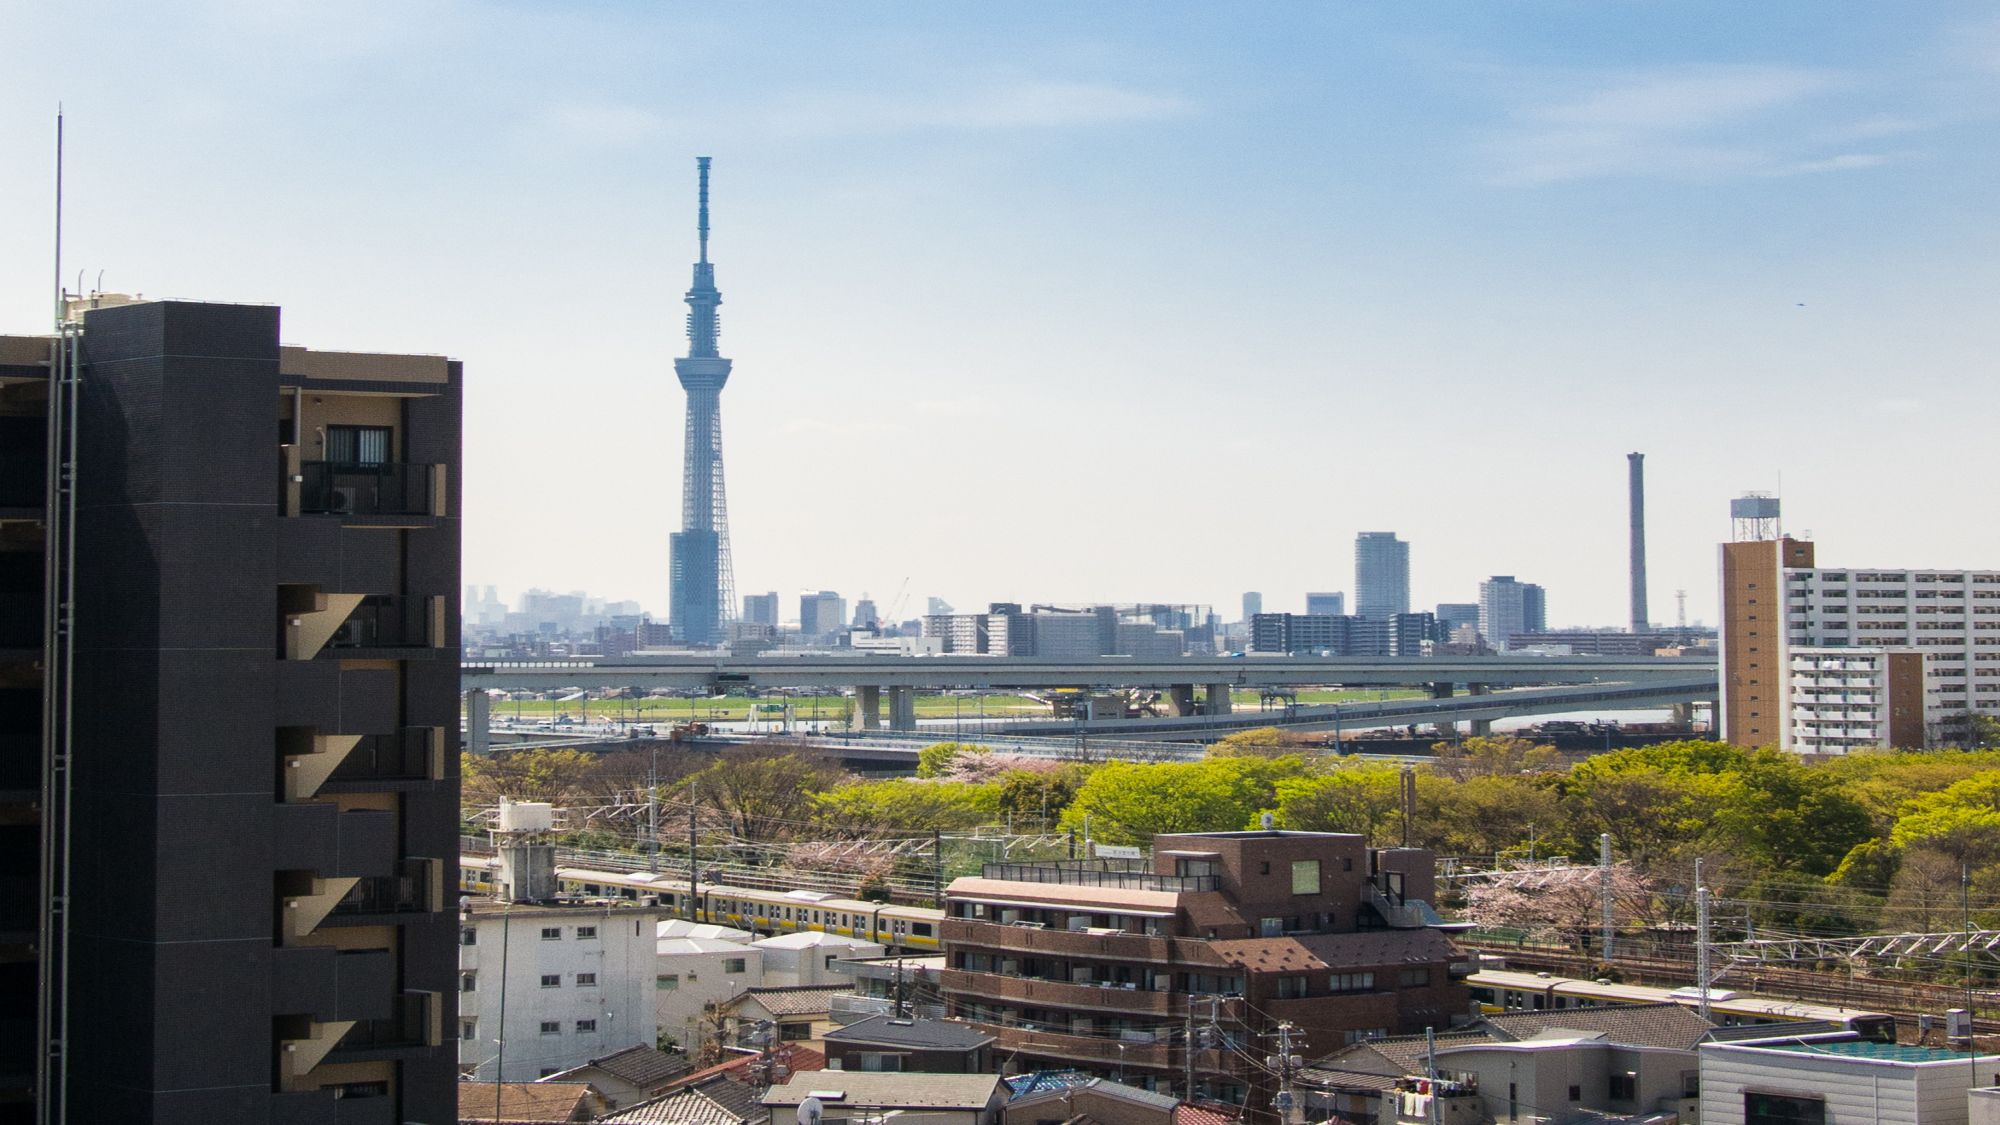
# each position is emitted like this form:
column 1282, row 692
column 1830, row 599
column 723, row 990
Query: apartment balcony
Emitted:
column 384, row 494
column 329, row 985
column 1077, row 943
column 415, row 1019
column 1062, row 994
column 415, row 887
column 388, row 621
column 346, row 626
column 411, row 754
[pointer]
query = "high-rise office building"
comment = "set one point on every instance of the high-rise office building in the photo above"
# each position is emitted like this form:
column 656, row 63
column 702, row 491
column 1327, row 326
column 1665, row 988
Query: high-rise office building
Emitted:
column 1508, row 607
column 1326, row 605
column 703, row 583
column 1381, row 575
column 761, row 609
column 1451, row 616
column 821, row 614
column 230, row 749
column 865, row 614
column 1253, row 604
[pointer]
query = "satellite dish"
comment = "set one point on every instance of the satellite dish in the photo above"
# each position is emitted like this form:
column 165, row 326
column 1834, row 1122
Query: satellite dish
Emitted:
column 810, row 1111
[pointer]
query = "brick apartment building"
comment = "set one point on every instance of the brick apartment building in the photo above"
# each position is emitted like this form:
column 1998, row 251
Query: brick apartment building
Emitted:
column 1122, row 968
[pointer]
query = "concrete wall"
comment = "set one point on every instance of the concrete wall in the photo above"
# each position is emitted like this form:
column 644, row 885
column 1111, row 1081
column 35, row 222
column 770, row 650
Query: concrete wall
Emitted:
column 701, row 979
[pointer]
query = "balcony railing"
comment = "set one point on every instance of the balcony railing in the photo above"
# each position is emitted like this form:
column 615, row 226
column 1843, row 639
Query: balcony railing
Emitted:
column 349, row 489
column 410, row 754
column 1099, row 873
column 386, row 621
column 409, row 891
column 413, row 1023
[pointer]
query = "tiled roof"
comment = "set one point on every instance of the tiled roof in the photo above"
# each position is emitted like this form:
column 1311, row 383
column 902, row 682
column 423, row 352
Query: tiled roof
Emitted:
column 717, row 1101
column 1395, row 1056
column 641, row 1065
column 1335, row 1078
column 1307, row 952
column 524, row 1103
column 929, row 1035
column 796, row 1058
column 1188, row 1113
column 1630, row 1025
column 1103, row 1087
column 804, row 1000
column 891, row 1090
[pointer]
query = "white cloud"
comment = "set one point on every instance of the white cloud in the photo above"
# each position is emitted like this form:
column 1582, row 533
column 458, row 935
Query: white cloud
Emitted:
column 1702, row 122
column 1020, row 105
column 600, row 122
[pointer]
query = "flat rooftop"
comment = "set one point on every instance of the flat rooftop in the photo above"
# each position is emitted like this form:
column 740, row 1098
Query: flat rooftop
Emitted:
column 1869, row 1049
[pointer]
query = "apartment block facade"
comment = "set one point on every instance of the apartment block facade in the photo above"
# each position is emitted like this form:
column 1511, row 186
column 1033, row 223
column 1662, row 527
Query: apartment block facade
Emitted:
column 228, row 722
column 1111, row 966
column 1816, row 657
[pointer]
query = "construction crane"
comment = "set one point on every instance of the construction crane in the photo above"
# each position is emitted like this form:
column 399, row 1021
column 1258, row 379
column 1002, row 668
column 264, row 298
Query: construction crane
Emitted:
column 894, row 613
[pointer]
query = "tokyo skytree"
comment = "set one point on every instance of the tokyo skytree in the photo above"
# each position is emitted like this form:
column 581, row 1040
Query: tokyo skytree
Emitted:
column 703, row 586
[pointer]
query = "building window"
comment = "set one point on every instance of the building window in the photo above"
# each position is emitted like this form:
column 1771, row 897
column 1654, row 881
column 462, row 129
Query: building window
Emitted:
column 1781, row 1109
column 551, row 933
column 795, row 1032
column 468, row 936
column 1270, row 927
column 547, row 1071
column 1291, row 988
column 1576, row 1093
column 468, row 982
column 1305, row 876
column 586, row 1027
column 1624, row 1087
column 359, row 445
column 468, row 1030
column 551, row 980
column 1414, row 978
column 1363, row 1034
column 586, row 980
column 585, row 933
column 1352, row 982
column 667, row 982
column 551, row 1027
column 733, row 964
column 1264, row 868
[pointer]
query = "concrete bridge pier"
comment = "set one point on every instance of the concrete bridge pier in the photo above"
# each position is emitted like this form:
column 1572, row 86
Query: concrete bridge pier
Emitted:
column 868, row 707
column 1682, row 714
column 1478, row 728
column 478, row 722
column 1218, row 699
column 902, row 708
column 1182, row 696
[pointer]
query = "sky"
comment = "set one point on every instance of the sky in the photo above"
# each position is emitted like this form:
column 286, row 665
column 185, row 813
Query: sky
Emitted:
column 1092, row 302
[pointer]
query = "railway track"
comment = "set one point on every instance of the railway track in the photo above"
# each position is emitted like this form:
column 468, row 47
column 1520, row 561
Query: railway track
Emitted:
column 1906, row 1000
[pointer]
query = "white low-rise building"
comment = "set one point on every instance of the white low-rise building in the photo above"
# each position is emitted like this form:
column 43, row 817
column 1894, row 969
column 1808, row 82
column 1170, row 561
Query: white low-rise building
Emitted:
column 1838, row 1080
column 807, row 958
column 693, row 975
column 577, row 981
column 1847, row 699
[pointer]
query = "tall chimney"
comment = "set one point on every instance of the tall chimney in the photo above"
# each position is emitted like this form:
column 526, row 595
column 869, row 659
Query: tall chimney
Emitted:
column 1641, row 622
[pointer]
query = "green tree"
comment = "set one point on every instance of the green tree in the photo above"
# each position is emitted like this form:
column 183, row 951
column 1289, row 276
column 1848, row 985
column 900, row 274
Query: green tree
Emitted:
column 1129, row 802
column 765, row 795
column 905, row 805
column 936, row 760
column 1351, row 797
column 1262, row 742
column 1040, row 796
column 1487, row 815
column 1491, row 755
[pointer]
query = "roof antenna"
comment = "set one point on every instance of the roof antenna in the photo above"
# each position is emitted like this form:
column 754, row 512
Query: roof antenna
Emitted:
column 59, row 172
column 702, row 163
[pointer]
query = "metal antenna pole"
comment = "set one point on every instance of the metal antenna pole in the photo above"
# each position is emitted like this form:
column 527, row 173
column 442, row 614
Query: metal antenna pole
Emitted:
column 1604, row 891
column 1701, row 971
column 653, row 805
column 694, row 863
column 701, row 162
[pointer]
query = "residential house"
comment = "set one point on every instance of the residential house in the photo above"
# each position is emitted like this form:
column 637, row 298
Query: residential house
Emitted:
column 851, row 1097
column 625, row 1077
column 885, row 1043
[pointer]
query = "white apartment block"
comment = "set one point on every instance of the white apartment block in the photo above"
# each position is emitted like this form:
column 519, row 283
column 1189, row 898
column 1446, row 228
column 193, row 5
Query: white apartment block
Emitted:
column 692, row 974
column 1951, row 617
column 577, row 982
column 1846, row 699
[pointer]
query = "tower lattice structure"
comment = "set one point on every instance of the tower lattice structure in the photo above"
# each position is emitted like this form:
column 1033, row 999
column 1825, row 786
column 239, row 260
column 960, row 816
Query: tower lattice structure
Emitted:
column 703, row 583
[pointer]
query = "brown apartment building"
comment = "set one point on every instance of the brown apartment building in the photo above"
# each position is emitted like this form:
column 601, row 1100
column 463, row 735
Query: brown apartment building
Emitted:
column 1190, row 963
column 1754, row 675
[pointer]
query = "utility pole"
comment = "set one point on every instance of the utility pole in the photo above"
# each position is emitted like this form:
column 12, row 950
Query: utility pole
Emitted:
column 1701, row 973
column 694, row 862
column 652, row 806
column 1409, row 801
column 937, row 868
column 1604, row 891
column 1187, row 1054
column 1285, row 1062
column 1431, row 1107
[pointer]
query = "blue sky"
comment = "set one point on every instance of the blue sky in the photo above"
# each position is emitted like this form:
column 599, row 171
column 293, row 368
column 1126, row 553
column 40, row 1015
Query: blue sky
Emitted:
column 1065, row 302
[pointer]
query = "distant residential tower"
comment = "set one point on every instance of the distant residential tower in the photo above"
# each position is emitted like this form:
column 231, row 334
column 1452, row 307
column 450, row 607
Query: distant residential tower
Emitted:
column 1381, row 575
column 703, row 587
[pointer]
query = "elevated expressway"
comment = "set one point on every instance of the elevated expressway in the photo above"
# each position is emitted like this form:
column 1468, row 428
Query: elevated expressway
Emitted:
column 1559, row 684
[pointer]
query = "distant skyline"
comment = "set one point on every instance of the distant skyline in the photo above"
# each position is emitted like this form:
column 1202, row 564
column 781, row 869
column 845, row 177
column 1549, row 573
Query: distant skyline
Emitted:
column 1113, row 302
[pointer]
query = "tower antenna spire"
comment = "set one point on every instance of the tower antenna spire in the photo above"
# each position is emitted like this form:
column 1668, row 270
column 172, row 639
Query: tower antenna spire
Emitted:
column 702, row 163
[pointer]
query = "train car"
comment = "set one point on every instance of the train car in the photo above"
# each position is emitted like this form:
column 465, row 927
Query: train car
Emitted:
column 1503, row 990
column 766, row 912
